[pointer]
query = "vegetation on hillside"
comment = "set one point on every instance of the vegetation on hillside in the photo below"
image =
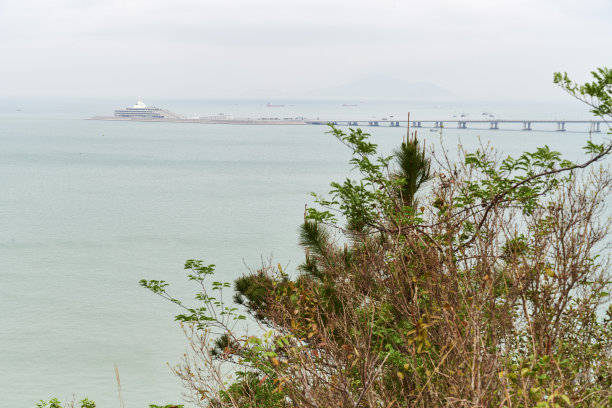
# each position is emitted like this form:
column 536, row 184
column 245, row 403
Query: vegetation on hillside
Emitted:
column 426, row 282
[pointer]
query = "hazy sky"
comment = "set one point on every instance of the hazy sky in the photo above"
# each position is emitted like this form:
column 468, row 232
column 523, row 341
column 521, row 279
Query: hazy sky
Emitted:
column 478, row 49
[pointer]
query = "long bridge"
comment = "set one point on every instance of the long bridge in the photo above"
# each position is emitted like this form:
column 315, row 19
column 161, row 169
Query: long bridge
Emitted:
column 461, row 123
column 594, row 125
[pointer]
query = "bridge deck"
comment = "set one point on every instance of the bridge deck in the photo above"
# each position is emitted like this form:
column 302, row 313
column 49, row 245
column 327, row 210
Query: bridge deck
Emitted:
column 462, row 123
column 555, row 121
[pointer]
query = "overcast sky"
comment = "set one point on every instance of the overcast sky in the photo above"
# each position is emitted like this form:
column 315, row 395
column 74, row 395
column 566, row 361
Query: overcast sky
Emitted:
column 477, row 49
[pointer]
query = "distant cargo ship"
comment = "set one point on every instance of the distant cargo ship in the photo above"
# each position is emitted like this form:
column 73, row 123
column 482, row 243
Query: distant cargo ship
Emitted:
column 269, row 105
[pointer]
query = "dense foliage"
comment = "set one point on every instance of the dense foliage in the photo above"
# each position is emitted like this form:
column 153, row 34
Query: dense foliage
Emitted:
column 426, row 282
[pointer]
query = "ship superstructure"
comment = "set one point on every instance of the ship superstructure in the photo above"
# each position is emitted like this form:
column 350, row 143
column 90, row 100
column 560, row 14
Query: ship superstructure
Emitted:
column 142, row 111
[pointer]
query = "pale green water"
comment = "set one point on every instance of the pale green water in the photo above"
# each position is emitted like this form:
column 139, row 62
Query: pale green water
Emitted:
column 88, row 208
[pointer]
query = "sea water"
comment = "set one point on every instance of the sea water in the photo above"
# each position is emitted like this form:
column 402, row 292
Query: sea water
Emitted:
column 87, row 208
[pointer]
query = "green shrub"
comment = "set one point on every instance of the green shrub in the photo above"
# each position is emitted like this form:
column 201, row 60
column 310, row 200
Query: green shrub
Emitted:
column 485, row 289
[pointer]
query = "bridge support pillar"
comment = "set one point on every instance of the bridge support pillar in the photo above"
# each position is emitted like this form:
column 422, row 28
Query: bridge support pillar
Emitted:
column 595, row 127
column 560, row 126
column 526, row 125
column 416, row 124
column 461, row 125
column 494, row 125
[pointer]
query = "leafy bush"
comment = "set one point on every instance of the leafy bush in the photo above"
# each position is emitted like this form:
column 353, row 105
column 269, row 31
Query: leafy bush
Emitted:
column 55, row 403
column 426, row 282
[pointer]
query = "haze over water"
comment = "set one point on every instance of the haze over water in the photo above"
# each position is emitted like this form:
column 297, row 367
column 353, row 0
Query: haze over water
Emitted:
column 90, row 207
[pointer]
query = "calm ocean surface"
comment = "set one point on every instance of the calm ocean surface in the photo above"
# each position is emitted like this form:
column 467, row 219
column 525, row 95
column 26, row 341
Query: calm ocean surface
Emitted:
column 87, row 208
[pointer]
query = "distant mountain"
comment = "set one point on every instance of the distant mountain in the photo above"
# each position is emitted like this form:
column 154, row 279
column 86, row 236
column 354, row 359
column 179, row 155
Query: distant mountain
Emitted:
column 384, row 86
column 378, row 86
